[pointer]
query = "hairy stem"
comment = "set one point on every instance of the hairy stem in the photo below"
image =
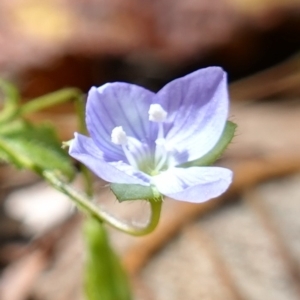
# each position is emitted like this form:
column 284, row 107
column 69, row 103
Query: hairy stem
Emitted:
column 85, row 204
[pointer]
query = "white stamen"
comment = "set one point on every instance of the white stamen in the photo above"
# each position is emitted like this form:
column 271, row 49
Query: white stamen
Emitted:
column 118, row 136
column 160, row 142
column 161, row 154
column 157, row 113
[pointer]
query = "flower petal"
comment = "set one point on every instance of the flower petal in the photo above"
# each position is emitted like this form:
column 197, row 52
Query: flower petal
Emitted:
column 197, row 107
column 195, row 184
column 85, row 150
column 118, row 104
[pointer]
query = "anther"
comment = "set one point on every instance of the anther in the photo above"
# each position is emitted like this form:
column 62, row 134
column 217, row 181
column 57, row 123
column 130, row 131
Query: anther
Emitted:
column 157, row 113
column 118, row 136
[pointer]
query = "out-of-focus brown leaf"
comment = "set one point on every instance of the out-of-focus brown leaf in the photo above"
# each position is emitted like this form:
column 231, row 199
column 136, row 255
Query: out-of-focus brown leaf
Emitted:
column 157, row 37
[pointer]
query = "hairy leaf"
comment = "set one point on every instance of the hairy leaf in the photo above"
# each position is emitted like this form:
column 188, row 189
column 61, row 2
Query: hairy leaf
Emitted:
column 36, row 147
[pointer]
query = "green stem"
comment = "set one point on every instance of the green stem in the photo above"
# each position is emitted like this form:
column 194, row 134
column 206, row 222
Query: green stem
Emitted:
column 49, row 100
column 11, row 101
column 89, row 207
column 60, row 97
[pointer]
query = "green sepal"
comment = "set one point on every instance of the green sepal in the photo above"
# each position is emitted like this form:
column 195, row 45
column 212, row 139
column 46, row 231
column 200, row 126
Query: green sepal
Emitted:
column 105, row 279
column 34, row 147
column 127, row 192
column 215, row 153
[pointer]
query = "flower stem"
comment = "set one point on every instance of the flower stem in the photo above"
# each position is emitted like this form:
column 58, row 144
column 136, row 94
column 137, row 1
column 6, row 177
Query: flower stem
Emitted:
column 50, row 100
column 85, row 204
column 11, row 101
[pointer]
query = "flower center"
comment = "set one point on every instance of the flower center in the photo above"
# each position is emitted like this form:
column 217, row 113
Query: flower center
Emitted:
column 150, row 163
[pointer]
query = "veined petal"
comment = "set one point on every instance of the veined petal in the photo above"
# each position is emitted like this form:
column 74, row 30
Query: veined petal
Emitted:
column 194, row 184
column 197, row 107
column 86, row 151
column 118, row 104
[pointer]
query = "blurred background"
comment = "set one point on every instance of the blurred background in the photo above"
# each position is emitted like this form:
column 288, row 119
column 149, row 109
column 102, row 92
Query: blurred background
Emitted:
column 244, row 245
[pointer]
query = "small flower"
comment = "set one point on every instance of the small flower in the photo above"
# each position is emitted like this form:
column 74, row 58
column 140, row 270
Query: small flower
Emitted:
column 139, row 137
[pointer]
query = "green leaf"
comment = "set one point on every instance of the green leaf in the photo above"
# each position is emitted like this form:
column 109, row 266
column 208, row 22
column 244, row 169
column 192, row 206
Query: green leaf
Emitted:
column 218, row 149
column 34, row 147
column 126, row 192
column 105, row 278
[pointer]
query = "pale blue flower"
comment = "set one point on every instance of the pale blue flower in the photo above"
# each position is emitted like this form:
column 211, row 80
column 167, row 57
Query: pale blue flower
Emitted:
column 139, row 137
